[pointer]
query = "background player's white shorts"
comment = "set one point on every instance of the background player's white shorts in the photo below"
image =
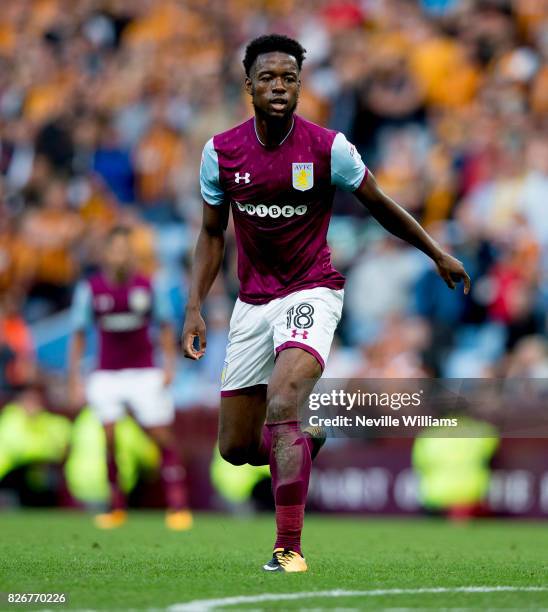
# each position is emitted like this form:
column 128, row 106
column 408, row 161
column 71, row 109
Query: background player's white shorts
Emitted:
column 142, row 390
column 304, row 319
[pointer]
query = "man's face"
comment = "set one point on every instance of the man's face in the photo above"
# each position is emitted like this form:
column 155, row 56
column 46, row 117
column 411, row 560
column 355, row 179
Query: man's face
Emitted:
column 117, row 255
column 274, row 84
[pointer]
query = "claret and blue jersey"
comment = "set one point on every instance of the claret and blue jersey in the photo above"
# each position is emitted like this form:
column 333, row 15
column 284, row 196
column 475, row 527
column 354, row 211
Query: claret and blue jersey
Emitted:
column 123, row 314
column 281, row 199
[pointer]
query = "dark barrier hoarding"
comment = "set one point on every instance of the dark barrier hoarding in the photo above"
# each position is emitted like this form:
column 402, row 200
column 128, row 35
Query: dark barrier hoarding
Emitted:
column 375, row 477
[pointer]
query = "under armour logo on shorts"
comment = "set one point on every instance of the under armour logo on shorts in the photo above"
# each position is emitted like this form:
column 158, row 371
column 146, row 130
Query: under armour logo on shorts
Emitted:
column 246, row 178
column 303, row 334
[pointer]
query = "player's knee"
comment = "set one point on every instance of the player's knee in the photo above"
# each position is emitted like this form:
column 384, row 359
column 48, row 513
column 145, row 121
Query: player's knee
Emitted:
column 282, row 406
column 237, row 455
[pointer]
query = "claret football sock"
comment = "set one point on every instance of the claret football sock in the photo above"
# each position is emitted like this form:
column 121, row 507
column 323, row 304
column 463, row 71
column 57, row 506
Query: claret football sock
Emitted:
column 173, row 475
column 116, row 516
column 290, row 464
column 117, row 498
column 262, row 456
column 289, row 526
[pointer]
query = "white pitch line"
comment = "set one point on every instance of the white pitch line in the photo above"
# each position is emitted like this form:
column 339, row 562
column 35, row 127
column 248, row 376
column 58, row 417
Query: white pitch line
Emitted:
column 204, row 605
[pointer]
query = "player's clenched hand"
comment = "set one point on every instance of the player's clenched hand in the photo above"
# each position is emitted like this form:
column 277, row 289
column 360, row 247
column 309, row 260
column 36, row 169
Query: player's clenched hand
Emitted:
column 194, row 327
column 452, row 271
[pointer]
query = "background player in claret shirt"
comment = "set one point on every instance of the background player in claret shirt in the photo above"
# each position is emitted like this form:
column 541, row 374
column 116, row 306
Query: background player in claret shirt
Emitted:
column 123, row 304
column 278, row 173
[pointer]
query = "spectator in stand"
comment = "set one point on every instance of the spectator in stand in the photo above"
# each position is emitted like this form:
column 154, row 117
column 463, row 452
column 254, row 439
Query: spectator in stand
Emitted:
column 529, row 359
column 158, row 159
column 112, row 161
column 15, row 336
column 52, row 232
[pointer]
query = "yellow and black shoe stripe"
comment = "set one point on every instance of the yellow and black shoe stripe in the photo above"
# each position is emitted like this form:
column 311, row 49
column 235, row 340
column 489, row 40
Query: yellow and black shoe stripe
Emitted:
column 285, row 560
column 318, row 436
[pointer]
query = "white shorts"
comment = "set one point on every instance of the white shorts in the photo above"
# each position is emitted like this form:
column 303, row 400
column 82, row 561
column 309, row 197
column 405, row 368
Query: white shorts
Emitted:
column 142, row 390
column 304, row 319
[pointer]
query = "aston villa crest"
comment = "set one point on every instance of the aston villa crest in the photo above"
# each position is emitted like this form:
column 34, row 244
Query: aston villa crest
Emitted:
column 303, row 176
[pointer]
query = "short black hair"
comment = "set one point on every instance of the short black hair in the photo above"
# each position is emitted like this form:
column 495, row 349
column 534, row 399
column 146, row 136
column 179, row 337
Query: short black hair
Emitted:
column 270, row 43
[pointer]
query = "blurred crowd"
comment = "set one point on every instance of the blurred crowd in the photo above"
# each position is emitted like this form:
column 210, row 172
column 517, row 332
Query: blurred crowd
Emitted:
column 105, row 106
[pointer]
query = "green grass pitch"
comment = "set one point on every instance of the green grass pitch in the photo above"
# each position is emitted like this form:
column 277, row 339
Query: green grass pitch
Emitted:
column 142, row 566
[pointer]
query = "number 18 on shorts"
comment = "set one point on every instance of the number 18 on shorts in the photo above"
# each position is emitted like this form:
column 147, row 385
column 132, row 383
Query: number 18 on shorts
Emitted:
column 258, row 333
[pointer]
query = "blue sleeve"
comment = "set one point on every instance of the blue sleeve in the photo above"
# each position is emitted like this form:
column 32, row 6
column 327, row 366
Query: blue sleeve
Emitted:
column 209, row 175
column 161, row 305
column 81, row 314
column 347, row 167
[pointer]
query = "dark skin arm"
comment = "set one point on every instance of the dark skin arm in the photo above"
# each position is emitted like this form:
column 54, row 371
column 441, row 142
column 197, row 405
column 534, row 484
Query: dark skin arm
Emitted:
column 207, row 262
column 399, row 222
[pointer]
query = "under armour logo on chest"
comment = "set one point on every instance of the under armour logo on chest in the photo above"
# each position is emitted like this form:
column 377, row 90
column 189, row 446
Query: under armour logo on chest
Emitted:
column 246, row 178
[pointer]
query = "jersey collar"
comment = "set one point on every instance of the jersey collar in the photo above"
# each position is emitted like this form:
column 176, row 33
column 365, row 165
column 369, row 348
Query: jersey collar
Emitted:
column 283, row 139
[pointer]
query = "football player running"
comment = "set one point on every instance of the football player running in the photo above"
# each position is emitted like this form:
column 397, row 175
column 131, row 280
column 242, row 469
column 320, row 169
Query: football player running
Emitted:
column 278, row 173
